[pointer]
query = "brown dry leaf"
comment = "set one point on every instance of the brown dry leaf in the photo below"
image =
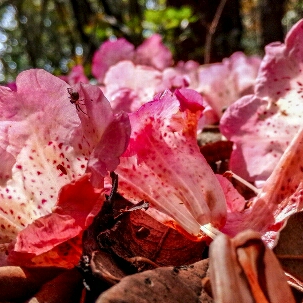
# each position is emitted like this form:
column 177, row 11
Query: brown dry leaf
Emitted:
column 289, row 249
column 165, row 284
column 20, row 283
column 123, row 239
column 104, row 267
column 98, row 266
column 65, row 288
column 243, row 269
column 137, row 234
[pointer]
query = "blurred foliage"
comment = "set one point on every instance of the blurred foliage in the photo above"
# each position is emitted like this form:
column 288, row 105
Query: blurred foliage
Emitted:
column 251, row 36
column 58, row 34
column 294, row 12
column 168, row 18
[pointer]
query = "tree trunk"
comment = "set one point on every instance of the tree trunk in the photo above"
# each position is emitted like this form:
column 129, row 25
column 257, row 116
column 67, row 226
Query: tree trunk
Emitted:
column 271, row 14
column 226, row 38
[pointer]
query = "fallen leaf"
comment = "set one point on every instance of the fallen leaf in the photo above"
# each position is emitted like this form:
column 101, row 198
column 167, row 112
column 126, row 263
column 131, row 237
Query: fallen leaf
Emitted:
column 217, row 151
column 289, row 248
column 137, row 234
column 65, row 288
column 165, row 284
column 103, row 266
column 17, row 283
column 119, row 243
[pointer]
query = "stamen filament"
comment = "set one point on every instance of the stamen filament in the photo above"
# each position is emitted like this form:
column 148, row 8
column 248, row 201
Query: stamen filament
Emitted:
column 210, row 231
column 229, row 173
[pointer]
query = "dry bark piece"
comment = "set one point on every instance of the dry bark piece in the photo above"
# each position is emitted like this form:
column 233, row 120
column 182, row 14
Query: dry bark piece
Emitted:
column 165, row 284
column 243, row 269
column 17, row 283
column 289, row 248
column 227, row 285
column 65, row 288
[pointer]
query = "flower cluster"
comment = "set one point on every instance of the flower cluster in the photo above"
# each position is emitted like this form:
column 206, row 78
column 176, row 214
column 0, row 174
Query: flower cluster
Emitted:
column 61, row 136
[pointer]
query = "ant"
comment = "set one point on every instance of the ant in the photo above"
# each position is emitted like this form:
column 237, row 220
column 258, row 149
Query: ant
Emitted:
column 74, row 99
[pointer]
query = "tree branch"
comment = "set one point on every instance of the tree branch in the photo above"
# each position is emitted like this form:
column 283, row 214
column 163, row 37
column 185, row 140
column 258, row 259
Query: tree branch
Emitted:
column 211, row 30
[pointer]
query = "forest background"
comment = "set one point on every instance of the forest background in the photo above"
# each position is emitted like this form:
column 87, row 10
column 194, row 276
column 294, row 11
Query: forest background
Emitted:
column 58, row 34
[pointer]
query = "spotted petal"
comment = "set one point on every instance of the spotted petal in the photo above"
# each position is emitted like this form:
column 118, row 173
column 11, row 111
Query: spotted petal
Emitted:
column 262, row 125
column 163, row 164
column 48, row 144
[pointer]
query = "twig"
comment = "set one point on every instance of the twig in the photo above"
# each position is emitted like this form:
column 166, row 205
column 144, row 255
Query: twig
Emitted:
column 211, row 30
column 138, row 259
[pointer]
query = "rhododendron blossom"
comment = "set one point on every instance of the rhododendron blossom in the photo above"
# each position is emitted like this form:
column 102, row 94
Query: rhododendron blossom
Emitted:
column 221, row 84
column 75, row 76
column 131, row 77
column 262, row 125
column 46, row 144
column 281, row 196
column 164, row 166
column 151, row 53
column 125, row 85
column 59, row 140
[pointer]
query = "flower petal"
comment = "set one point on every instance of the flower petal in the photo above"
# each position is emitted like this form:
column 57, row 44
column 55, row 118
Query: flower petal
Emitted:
column 223, row 83
column 152, row 52
column 110, row 53
column 127, row 75
column 76, row 202
column 48, row 144
column 36, row 145
column 113, row 143
column 102, row 136
column 281, row 196
column 164, row 166
column 271, row 116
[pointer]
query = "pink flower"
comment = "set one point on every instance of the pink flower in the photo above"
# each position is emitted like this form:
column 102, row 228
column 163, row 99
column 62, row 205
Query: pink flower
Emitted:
column 76, row 75
column 263, row 124
column 131, row 77
column 150, row 53
column 183, row 74
column 221, row 84
column 55, row 239
column 128, row 86
column 125, row 71
column 125, row 85
column 110, row 53
column 46, row 144
column 163, row 164
column 280, row 196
